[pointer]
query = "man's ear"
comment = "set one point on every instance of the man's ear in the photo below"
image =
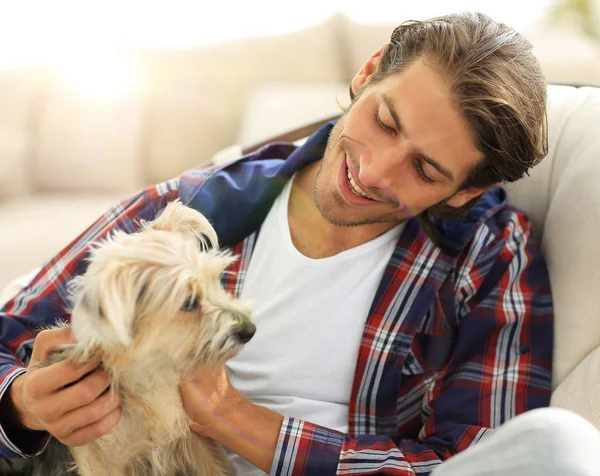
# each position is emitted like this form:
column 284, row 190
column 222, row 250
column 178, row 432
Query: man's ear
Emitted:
column 463, row 196
column 362, row 77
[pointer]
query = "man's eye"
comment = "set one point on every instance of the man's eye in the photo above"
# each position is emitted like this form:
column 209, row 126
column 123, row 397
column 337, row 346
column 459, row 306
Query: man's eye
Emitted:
column 383, row 125
column 421, row 171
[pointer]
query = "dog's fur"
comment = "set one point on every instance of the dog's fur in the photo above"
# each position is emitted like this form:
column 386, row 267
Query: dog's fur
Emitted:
column 151, row 307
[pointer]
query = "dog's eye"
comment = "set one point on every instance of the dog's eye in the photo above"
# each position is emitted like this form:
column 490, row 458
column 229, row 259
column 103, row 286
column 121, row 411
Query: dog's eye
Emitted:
column 190, row 305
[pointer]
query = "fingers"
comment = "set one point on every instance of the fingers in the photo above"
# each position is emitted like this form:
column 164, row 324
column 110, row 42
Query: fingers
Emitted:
column 89, row 433
column 48, row 340
column 71, row 402
column 88, row 422
column 79, row 395
column 49, row 379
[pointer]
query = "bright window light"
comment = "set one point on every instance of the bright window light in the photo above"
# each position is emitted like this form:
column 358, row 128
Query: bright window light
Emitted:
column 34, row 30
column 96, row 75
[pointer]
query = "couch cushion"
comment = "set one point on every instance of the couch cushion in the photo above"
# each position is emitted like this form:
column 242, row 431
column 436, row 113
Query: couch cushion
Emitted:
column 88, row 145
column 19, row 92
column 199, row 95
column 364, row 39
column 14, row 148
column 36, row 227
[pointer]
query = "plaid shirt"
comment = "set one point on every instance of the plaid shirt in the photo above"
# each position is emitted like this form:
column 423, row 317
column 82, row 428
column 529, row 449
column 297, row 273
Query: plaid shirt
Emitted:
column 458, row 339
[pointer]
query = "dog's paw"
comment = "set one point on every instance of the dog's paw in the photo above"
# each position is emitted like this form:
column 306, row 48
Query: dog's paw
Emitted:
column 71, row 352
column 61, row 353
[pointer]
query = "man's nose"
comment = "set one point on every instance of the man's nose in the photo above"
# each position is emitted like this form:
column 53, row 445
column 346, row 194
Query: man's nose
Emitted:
column 377, row 168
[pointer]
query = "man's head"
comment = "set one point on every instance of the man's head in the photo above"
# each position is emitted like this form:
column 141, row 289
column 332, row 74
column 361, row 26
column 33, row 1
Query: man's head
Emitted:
column 445, row 110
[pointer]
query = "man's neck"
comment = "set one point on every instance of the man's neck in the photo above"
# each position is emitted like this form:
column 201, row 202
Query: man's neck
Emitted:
column 312, row 234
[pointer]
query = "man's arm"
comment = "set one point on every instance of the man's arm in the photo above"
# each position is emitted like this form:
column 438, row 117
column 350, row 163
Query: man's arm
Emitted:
column 500, row 367
column 45, row 300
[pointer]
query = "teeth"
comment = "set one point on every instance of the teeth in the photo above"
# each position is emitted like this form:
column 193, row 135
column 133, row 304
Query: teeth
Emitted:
column 354, row 186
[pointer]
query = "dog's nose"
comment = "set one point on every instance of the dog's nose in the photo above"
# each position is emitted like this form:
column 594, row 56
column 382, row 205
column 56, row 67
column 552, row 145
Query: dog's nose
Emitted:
column 245, row 333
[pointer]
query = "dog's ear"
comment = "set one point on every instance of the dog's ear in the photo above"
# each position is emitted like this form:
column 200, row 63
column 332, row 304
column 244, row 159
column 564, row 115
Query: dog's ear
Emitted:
column 181, row 219
column 104, row 306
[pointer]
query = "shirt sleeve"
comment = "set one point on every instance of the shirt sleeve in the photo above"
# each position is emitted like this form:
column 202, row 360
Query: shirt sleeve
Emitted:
column 500, row 367
column 45, row 299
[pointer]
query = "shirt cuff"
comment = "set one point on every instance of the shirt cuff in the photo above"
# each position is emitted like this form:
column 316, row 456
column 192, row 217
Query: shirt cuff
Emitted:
column 304, row 448
column 8, row 449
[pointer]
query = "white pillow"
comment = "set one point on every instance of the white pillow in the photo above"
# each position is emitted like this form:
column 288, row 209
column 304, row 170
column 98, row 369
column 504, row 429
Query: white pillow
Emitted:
column 18, row 93
column 14, row 179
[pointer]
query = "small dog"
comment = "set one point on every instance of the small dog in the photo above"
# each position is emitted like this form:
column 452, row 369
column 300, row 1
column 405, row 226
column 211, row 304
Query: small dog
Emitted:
column 151, row 307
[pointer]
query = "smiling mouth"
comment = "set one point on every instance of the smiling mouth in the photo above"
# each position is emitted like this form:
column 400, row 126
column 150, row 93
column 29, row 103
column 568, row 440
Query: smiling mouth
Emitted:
column 354, row 187
column 356, row 190
column 354, row 194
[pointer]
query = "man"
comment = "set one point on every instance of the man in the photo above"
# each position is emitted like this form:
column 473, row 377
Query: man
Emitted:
column 402, row 309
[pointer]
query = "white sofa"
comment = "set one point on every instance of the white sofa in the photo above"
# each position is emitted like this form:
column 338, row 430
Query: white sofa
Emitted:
column 64, row 160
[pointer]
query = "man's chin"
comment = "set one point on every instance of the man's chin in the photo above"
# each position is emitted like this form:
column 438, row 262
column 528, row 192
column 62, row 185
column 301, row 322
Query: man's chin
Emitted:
column 341, row 221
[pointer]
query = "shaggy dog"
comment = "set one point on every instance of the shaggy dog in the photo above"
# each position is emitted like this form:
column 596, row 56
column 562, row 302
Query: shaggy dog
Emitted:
column 150, row 308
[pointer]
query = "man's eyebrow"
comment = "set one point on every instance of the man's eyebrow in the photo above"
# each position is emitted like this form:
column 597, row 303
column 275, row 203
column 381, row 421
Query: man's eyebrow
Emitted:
column 390, row 104
column 440, row 168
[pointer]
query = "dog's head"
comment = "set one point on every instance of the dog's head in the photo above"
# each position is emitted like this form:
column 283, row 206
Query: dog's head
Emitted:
column 157, row 295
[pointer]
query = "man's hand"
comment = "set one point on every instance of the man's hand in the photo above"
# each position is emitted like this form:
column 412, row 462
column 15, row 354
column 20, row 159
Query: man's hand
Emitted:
column 72, row 403
column 220, row 412
column 208, row 394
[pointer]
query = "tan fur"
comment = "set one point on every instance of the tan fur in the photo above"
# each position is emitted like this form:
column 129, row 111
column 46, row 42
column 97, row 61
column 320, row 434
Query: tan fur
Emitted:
column 127, row 313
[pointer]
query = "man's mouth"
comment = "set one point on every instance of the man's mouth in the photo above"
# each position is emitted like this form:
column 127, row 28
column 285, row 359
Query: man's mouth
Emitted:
column 354, row 187
column 353, row 193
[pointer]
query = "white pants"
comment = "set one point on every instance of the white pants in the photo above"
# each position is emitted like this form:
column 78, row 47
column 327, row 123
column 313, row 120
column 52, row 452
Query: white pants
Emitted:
column 543, row 442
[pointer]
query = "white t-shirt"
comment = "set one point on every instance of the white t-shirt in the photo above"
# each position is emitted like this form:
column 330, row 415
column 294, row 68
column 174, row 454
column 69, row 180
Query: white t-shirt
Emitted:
column 309, row 315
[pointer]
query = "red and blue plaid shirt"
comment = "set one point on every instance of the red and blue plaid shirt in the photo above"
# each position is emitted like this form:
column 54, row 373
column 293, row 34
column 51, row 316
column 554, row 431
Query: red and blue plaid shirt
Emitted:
column 458, row 339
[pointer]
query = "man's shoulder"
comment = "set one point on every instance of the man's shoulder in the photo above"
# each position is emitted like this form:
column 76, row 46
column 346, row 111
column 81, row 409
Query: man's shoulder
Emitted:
column 235, row 196
column 249, row 164
column 508, row 230
column 510, row 222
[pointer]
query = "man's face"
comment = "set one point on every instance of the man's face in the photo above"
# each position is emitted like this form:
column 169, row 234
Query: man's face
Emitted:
column 400, row 149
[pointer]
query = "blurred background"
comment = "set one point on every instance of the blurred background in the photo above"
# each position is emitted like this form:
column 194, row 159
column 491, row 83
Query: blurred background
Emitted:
column 99, row 98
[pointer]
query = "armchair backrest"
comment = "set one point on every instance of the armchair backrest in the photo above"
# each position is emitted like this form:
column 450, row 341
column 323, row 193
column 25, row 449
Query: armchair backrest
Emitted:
column 562, row 198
